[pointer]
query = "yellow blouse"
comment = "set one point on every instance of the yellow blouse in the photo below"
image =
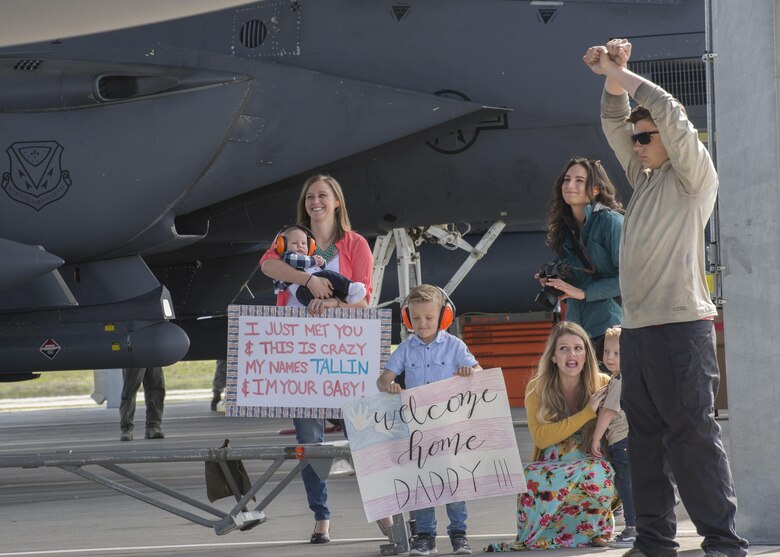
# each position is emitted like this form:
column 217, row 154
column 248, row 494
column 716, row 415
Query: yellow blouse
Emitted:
column 546, row 435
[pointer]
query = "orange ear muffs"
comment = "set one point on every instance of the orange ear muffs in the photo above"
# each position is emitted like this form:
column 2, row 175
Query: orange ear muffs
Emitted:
column 312, row 243
column 405, row 318
column 280, row 242
column 446, row 315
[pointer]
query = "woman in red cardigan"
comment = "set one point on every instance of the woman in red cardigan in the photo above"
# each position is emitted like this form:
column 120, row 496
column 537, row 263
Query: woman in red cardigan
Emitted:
column 323, row 210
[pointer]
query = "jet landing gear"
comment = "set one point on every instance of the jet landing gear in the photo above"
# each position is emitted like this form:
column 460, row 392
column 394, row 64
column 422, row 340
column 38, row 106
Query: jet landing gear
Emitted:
column 405, row 242
column 400, row 537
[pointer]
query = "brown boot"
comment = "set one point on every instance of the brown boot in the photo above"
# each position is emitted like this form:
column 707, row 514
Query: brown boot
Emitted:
column 154, row 432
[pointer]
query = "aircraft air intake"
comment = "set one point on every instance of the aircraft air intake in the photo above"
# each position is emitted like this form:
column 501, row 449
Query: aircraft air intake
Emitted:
column 119, row 87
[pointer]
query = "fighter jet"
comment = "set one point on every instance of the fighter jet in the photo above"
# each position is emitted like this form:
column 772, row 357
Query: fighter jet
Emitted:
column 147, row 167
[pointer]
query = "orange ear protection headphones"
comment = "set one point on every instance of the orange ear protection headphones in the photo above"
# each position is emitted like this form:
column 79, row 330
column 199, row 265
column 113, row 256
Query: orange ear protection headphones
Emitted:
column 446, row 315
column 280, row 242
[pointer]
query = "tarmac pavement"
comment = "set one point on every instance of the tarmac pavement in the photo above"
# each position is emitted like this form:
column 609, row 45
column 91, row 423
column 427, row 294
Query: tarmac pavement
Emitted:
column 47, row 511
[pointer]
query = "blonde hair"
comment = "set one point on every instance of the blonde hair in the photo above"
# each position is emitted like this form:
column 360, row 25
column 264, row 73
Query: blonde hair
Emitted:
column 613, row 331
column 342, row 217
column 426, row 293
column 546, row 382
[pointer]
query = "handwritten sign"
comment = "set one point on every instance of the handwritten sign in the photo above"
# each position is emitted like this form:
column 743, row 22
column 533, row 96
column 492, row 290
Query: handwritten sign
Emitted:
column 448, row 441
column 284, row 362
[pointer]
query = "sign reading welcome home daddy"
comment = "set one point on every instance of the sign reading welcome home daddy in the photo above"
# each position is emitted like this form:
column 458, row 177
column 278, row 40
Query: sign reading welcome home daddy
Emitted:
column 447, row 441
column 284, row 362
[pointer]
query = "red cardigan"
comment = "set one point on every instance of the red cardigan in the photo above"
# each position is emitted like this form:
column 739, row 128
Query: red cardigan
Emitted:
column 356, row 262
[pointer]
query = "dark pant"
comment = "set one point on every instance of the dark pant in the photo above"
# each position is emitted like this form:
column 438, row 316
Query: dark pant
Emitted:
column 154, row 395
column 339, row 282
column 619, row 453
column 670, row 377
column 220, row 376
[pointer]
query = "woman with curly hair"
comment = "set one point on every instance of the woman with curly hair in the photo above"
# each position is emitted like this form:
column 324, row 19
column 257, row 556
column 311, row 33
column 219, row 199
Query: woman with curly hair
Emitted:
column 584, row 222
column 570, row 493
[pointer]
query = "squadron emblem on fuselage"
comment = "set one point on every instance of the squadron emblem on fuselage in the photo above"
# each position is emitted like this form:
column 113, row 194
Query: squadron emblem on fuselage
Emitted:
column 35, row 176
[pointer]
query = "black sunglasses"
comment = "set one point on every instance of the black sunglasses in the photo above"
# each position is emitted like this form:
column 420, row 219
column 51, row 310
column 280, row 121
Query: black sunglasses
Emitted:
column 643, row 138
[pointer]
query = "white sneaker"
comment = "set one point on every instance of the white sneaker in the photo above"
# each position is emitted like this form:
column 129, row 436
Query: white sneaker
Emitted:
column 357, row 291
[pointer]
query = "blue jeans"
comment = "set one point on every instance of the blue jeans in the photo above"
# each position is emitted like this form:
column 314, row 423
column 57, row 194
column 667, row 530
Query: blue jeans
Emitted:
column 619, row 452
column 312, row 430
column 426, row 519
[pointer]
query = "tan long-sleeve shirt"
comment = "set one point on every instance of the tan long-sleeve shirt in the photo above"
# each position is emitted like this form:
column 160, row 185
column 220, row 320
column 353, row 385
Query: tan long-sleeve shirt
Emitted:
column 662, row 267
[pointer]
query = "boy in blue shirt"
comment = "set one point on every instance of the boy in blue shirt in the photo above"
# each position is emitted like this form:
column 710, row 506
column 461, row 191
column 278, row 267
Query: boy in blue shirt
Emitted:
column 431, row 354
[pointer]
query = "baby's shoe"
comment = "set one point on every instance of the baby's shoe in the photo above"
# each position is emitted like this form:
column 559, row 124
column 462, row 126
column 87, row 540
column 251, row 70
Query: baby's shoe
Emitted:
column 357, row 291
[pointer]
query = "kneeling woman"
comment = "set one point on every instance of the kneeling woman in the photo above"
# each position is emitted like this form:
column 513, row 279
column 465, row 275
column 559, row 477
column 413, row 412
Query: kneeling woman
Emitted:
column 570, row 493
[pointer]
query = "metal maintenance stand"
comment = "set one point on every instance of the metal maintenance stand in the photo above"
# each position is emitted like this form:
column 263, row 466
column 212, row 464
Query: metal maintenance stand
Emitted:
column 405, row 242
column 400, row 536
column 320, row 457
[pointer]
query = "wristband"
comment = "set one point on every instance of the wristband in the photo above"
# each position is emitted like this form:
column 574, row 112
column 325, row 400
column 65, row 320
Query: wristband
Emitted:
column 305, row 284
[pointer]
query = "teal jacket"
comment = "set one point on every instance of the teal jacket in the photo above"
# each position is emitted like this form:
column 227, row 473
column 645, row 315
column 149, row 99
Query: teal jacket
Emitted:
column 601, row 308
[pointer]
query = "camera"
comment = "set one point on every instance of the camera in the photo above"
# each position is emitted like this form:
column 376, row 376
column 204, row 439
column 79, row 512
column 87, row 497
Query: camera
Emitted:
column 548, row 297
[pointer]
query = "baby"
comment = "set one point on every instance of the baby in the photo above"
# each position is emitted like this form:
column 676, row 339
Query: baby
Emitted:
column 297, row 250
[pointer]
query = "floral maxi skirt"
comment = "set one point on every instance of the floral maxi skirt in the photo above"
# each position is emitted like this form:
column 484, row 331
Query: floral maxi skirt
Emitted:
column 568, row 503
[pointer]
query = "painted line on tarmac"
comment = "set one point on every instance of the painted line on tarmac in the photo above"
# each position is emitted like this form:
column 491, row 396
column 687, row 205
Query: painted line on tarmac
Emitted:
column 107, row 550
column 86, row 401
column 286, row 543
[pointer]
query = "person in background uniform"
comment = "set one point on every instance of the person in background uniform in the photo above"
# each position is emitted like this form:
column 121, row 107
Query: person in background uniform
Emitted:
column 667, row 346
column 218, row 383
column 154, row 396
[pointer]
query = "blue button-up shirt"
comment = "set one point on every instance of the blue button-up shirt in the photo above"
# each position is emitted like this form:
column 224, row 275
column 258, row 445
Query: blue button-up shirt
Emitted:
column 426, row 363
